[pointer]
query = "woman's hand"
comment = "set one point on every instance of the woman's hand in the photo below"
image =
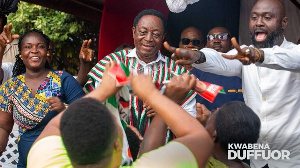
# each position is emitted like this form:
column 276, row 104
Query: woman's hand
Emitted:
column 56, row 104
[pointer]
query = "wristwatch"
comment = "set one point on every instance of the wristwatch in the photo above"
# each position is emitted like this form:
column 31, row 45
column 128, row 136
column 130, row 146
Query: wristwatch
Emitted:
column 202, row 57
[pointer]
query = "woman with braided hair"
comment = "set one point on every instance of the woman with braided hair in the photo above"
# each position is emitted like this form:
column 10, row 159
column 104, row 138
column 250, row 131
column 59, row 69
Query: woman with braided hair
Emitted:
column 26, row 98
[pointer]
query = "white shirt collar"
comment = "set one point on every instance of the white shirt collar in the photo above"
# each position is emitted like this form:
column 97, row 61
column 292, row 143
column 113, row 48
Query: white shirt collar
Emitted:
column 132, row 53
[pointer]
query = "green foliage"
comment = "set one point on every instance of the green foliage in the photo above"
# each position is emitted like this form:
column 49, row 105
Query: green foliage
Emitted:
column 65, row 31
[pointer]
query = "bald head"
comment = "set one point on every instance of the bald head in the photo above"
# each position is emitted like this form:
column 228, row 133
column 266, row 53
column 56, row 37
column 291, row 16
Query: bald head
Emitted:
column 218, row 38
column 267, row 23
column 191, row 37
column 275, row 5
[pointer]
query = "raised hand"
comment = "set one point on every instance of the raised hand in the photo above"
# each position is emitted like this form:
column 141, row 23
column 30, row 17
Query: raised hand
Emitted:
column 202, row 113
column 86, row 54
column 107, row 87
column 183, row 56
column 179, row 87
column 142, row 85
column 246, row 55
column 6, row 37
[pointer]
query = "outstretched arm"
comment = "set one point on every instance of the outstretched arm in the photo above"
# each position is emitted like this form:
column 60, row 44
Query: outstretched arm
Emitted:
column 186, row 128
column 206, row 59
column 103, row 92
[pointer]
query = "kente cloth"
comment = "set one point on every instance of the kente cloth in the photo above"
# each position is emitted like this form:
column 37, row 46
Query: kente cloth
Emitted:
column 161, row 71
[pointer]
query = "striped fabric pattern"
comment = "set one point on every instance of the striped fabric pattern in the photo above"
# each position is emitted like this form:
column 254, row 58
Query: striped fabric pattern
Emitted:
column 160, row 71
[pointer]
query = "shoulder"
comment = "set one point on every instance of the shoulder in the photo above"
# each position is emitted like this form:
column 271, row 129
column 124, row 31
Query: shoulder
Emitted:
column 168, row 156
column 48, row 151
column 212, row 163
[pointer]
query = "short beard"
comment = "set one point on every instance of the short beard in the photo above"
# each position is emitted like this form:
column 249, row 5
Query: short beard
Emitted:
column 269, row 42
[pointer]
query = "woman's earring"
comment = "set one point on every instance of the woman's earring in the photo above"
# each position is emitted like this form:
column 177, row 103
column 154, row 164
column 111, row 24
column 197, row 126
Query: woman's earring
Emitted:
column 48, row 54
column 20, row 56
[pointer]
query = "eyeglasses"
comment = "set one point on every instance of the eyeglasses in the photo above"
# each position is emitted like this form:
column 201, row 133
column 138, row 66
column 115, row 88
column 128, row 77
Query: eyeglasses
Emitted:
column 222, row 36
column 195, row 42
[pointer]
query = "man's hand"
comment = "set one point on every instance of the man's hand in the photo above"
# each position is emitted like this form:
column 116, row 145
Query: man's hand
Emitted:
column 143, row 85
column 108, row 83
column 56, row 104
column 107, row 87
column 183, row 56
column 86, row 54
column 150, row 111
column 246, row 55
column 202, row 113
column 179, row 87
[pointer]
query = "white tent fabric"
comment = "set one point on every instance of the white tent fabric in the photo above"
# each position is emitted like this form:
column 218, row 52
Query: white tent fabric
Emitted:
column 178, row 6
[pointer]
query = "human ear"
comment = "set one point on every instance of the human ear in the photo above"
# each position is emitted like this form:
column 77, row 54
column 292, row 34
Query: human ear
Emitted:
column 133, row 31
column 284, row 22
column 214, row 136
column 117, row 145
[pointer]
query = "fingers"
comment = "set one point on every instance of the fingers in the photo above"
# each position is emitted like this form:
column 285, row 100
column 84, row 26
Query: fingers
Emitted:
column 236, row 45
column 192, row 81
column 169, row 48
column 89, row 43
column 182, row 62
column 151, row 113
column 231, row 57
column 84, row 44
column 10, row 27
column 15, row 36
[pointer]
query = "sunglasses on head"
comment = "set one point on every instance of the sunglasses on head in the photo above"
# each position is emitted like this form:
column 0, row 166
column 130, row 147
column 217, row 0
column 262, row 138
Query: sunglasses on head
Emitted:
column 186, row 41
column 222, row 36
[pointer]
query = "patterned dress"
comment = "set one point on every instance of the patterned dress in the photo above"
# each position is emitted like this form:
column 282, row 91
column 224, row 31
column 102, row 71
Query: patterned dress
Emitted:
column 31, row 113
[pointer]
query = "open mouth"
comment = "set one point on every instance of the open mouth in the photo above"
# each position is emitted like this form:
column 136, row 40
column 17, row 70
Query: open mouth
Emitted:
column 35, row 58
column 148, row 47
column 260, row 36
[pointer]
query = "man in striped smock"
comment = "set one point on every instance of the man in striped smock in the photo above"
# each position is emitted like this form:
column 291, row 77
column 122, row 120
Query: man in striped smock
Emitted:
column 148, row 32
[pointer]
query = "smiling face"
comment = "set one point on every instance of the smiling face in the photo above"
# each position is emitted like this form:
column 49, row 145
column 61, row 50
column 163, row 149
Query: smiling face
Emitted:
column 220, row 45
column 267, row 23
column 34, row 51
column 148, row 37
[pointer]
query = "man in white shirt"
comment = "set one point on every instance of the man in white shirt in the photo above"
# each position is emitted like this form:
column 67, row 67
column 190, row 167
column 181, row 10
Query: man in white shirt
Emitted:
column 271, row 80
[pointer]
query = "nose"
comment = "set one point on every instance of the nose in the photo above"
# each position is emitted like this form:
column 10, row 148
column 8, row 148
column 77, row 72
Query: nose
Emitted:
column 190, row 45
column 149, row 37
column 259, row 22
column 217, row 40
column 34, row 49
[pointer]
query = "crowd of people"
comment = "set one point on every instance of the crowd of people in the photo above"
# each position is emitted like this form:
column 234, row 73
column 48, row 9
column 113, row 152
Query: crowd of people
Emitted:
column 49, row 118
